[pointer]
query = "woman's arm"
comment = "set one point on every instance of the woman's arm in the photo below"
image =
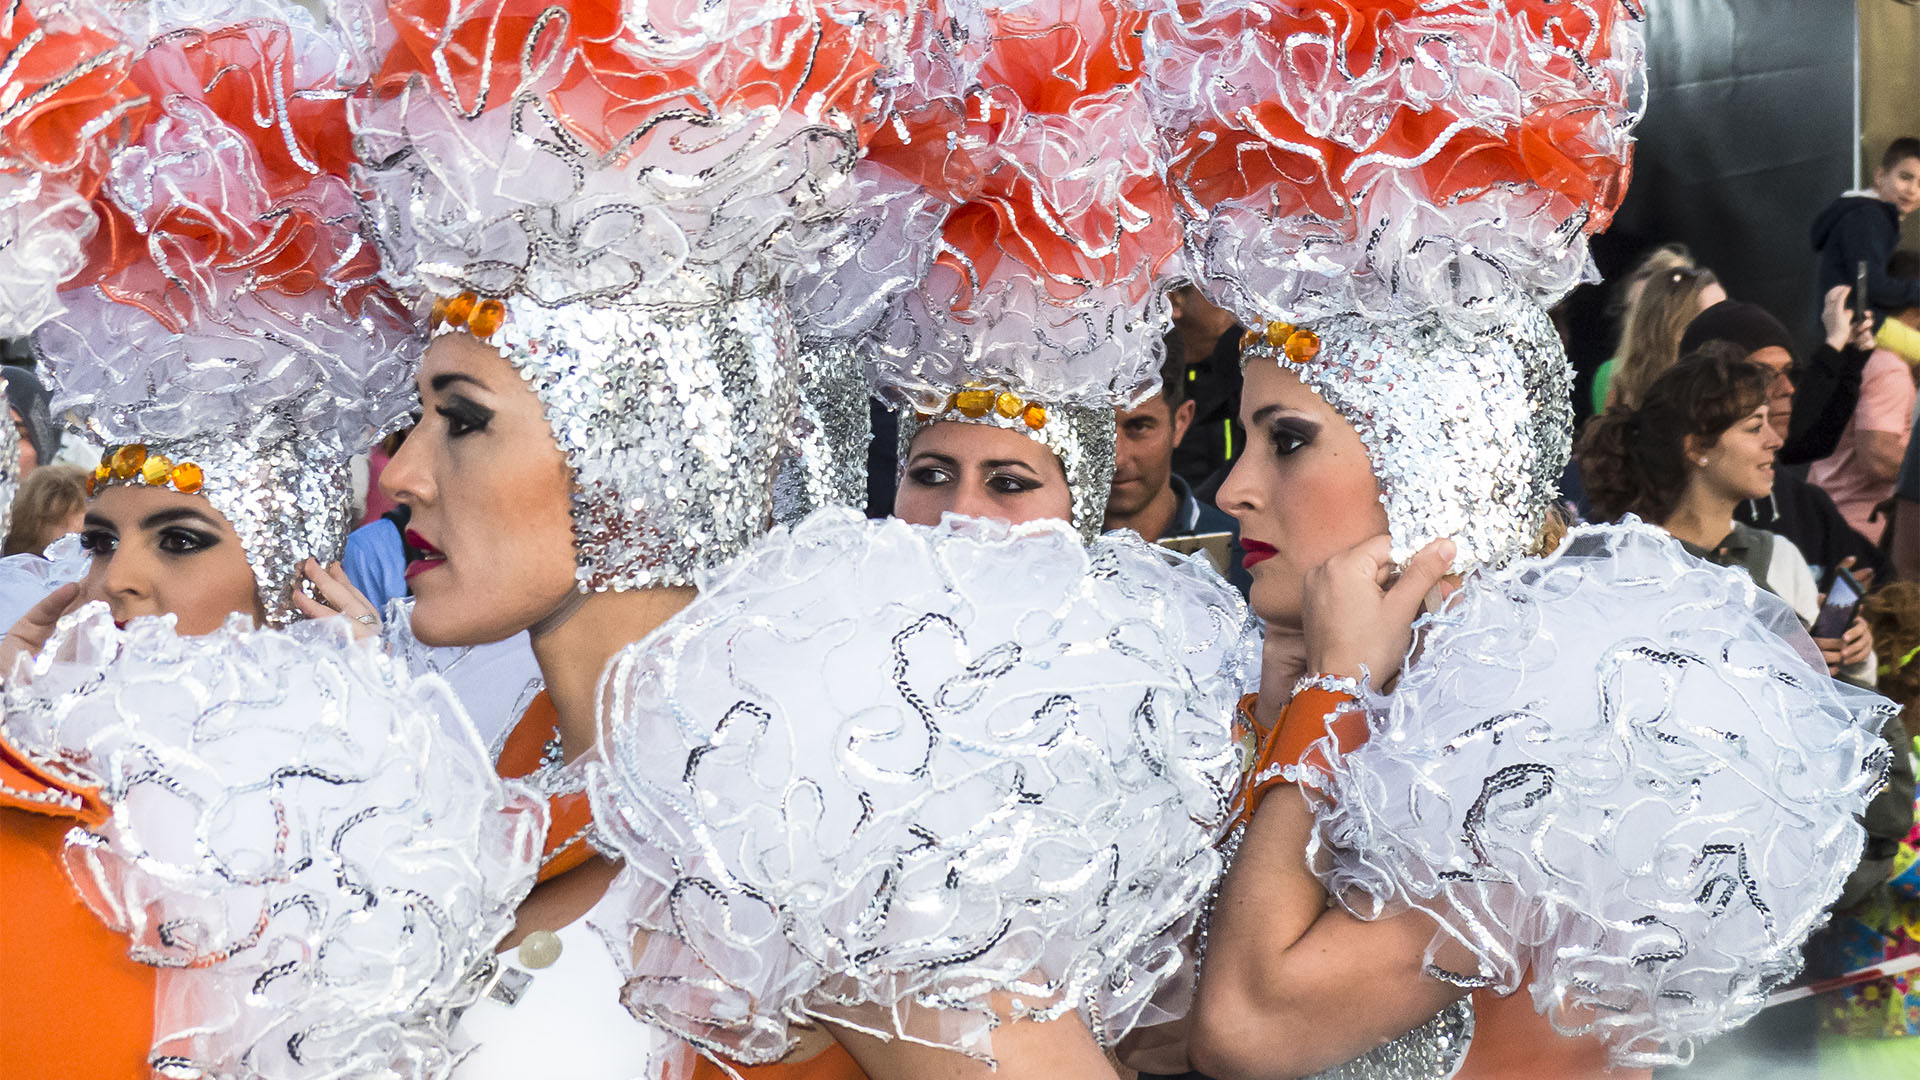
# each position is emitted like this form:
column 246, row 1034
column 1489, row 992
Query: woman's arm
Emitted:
column 1291, row 986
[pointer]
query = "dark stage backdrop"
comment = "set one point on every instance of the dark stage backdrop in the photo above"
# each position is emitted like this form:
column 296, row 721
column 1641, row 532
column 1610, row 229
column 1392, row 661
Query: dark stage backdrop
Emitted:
column 1748, row 134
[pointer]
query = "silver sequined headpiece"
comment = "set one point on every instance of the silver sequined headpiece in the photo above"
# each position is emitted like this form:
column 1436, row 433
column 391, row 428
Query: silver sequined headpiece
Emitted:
column 234, row 328
column 631, row 255
column 9, row 472
column 286, row 499
column 670, row 420
column 1468, row 432
column 1082, row 438
column 1419, row 203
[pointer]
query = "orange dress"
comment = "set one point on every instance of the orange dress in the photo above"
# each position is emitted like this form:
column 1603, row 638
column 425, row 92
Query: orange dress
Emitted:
column 1511, row 1039
column 71, row 1002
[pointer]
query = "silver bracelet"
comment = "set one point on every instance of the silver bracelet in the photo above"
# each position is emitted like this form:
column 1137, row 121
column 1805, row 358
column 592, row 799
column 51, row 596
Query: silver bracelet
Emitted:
column 1333, row 684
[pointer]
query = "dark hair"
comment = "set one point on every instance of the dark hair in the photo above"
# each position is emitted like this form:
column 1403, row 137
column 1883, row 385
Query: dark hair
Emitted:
column 1173, row 373
column 1900, row 150
column 1632, row 461
column 1904, row 264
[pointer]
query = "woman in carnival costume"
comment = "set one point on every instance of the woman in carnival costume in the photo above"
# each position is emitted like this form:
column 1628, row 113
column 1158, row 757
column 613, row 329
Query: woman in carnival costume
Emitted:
column 1611, row 774
column 260, row 814
column 602, row 205
column 949, row 790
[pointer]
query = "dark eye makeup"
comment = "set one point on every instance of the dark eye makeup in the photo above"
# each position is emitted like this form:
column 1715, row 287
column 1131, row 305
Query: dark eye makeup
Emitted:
column 463, row 415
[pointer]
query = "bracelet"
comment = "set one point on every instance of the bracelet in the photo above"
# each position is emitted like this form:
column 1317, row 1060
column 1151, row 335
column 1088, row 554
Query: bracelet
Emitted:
column 1334, row 684
column 1323, row 707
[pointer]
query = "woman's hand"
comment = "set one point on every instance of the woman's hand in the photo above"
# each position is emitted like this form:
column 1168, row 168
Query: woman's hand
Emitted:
column 1356, row 616
column 1848, row 649
column 339, row 596
column 30, row 634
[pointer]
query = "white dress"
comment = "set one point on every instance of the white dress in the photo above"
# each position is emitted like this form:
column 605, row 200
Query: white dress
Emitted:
column 564, row 1020
column 897, row 777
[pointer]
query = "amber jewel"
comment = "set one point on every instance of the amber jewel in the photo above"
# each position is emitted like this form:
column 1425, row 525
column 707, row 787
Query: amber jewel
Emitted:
column 157, row 470
column 128, row 459
column 187, row 477
column 973, row 402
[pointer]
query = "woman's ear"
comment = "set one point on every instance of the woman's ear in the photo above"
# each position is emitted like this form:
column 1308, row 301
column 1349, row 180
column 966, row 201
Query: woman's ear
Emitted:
column 1693, row 449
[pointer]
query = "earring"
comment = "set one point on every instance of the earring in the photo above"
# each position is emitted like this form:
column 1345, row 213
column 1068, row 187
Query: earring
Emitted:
column 1703, row 461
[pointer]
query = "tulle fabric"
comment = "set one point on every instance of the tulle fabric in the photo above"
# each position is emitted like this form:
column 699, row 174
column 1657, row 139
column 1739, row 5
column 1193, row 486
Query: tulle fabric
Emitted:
column 230, row 268
column 65, row 106
column 900, row 777
column 1619, row 775
column 312, row 846
column 27, row 579
column 1046, row 269
column 1392, row 157
column 601, row 151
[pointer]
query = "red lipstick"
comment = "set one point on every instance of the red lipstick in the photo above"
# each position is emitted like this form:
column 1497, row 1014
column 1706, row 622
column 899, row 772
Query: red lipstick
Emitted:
column 430, row 556
column 1255, row 553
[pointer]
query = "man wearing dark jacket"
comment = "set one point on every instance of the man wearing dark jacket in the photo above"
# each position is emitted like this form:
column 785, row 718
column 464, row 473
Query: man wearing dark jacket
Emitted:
column 1864, row 227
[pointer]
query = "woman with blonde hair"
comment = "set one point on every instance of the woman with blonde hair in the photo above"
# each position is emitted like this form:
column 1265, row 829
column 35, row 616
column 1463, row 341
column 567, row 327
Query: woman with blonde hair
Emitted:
column 48, row 507
column 1655, row 321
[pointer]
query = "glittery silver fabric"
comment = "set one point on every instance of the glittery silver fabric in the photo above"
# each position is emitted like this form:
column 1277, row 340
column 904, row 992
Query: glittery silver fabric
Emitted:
column 9, row 472
column 287, row 499
column 673, row 419
column 1433, row 1051
column 1618, row 775
column 1468, row 432
column 827, row 464
column 315, row 866
column 1012, row 808
column 1081, row 437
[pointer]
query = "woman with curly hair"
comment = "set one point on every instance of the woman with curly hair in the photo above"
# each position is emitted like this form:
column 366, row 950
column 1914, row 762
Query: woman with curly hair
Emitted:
column 1698, row 444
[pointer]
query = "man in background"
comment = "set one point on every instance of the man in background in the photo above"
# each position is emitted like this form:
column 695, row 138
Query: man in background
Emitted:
column 1147, row 495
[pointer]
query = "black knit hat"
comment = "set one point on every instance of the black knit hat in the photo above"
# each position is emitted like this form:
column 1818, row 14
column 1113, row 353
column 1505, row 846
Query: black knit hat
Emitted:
column 1749, row 326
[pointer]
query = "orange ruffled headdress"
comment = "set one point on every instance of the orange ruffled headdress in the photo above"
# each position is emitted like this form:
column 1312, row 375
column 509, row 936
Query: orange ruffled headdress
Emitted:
column 228, row 335
column 1036, row 305
column 616, row 196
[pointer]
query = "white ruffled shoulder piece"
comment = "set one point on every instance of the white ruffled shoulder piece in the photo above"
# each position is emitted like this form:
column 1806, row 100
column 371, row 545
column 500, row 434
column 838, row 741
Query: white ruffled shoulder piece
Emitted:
column 883, row 774
column 25, row 579
column 496, row 683
column 309, row 844
column 1619, row 774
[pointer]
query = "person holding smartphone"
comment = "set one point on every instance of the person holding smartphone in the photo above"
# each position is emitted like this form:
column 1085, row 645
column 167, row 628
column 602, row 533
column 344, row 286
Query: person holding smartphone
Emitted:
column 1698, row 446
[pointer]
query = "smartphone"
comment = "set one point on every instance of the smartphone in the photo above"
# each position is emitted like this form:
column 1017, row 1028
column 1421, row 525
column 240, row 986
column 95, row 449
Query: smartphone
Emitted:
column 1843, row 602
column 1860, row 290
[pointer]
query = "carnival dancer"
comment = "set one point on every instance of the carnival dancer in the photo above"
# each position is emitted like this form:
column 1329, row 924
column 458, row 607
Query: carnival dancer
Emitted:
column 1040, row 307
column 241, row 809
column 603, row 204
column 949, row 789
column 1612, row 775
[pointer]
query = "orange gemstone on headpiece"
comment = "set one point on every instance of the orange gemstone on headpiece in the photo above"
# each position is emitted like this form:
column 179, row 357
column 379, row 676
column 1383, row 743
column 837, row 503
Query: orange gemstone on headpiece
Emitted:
column 973, row 402
column 1277, row 334
column 187, row 478
column 1303, row 346
column 438, row 315
column 1007, row 405
column 157, row 470
column 1035, row 414
column 93, row 480
column 460, row 308
column 128, row 459
column 487, row 316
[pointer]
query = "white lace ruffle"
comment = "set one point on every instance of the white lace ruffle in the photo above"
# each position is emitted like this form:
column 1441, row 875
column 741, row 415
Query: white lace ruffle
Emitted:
column 311, row 846
column 893, row 776
column 1620, row 774
column 25, row 580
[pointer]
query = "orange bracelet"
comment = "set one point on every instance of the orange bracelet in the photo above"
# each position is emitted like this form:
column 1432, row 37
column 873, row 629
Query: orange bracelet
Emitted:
column 1312, row 715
